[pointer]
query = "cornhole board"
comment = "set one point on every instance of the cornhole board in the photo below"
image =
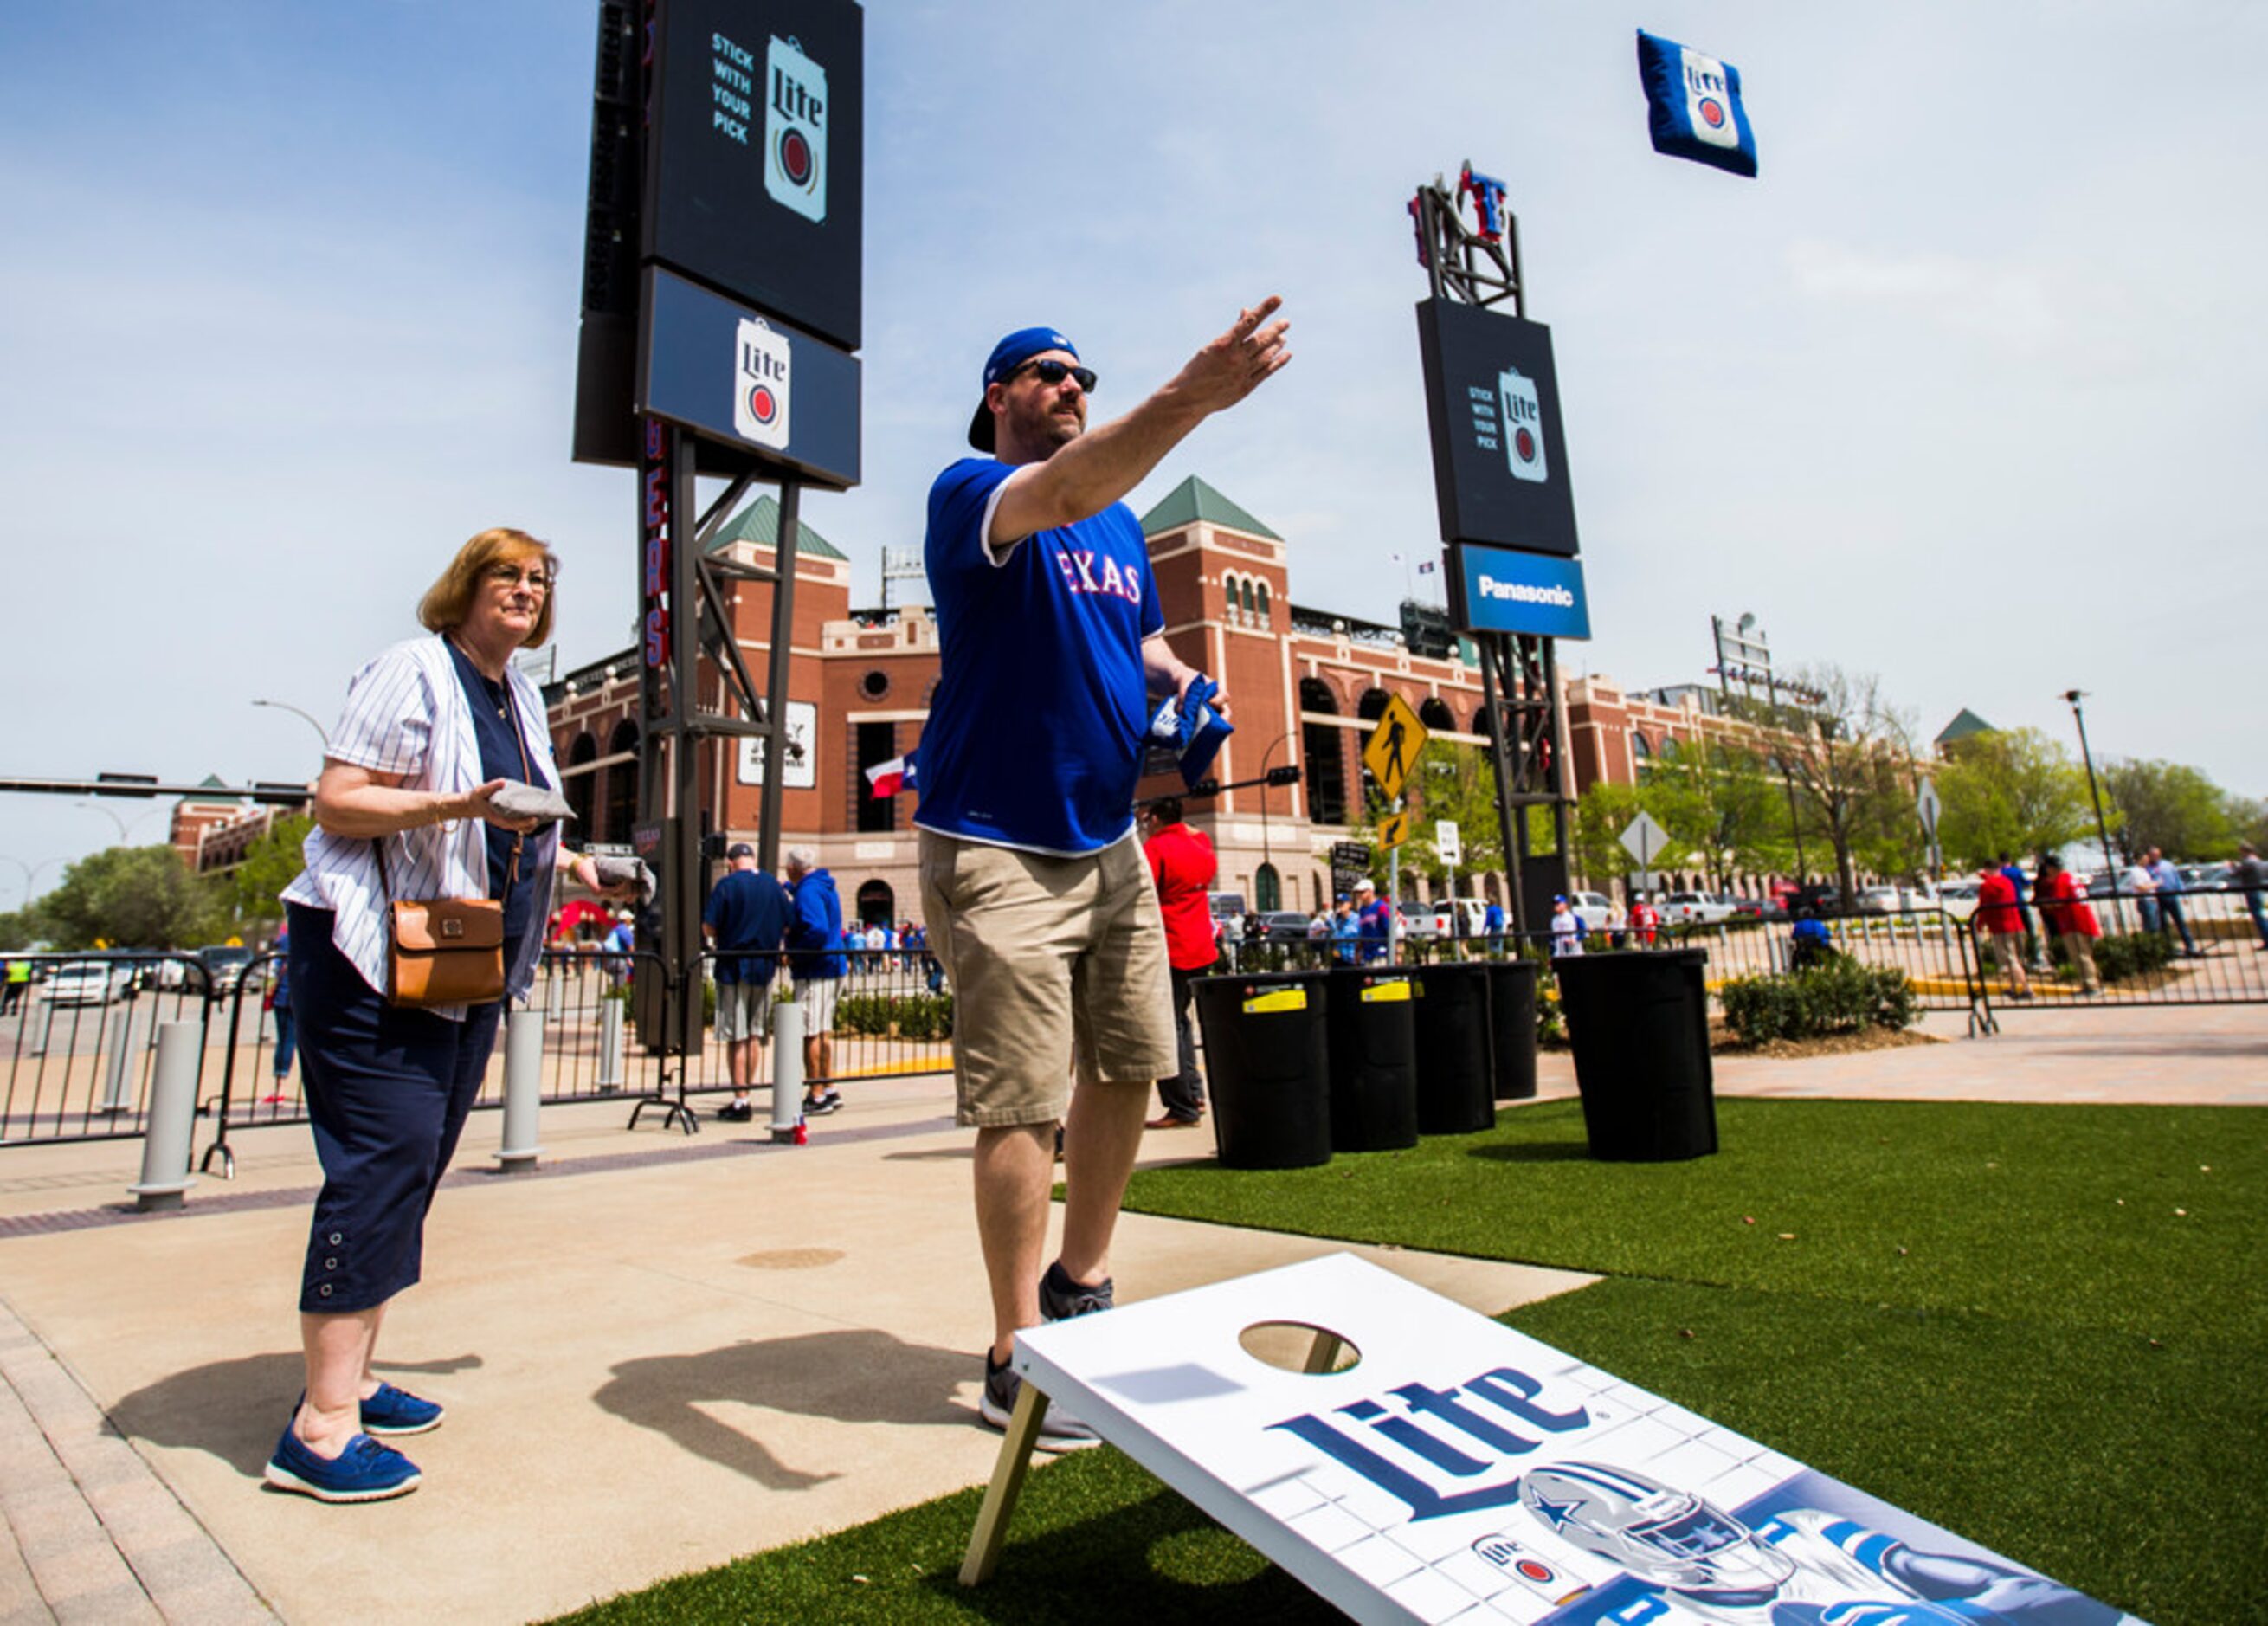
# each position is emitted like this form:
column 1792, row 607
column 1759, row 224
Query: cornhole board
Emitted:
column 1459, row 1471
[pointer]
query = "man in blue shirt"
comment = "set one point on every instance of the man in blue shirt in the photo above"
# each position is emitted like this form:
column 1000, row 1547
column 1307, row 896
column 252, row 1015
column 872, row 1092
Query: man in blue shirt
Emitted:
column 2168, row 880
column 744, row 921
column 1493, row 923
column 816, row 961
column 1051, row 647
column 1372, row 921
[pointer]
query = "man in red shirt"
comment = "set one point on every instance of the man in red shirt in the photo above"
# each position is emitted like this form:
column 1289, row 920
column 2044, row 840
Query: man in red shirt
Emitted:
column 2002, row 924
column 1183, row 865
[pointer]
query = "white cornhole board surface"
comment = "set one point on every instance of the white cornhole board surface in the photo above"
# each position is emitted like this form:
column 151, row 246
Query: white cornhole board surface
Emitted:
column 1461, row 1471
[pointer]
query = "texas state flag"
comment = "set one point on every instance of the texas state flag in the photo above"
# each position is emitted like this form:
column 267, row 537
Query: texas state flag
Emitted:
column 887, row 779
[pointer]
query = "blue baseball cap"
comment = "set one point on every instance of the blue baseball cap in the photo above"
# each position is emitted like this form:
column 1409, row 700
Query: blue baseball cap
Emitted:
column 1009, row 354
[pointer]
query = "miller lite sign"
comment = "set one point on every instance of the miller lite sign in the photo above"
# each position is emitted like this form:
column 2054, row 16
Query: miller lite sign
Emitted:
column 795, row 129
column 760, row 384
column 1693, row 106
column 1522, row 424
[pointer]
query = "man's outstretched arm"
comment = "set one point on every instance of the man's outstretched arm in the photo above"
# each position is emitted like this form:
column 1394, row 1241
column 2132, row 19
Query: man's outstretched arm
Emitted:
column 1099, row 467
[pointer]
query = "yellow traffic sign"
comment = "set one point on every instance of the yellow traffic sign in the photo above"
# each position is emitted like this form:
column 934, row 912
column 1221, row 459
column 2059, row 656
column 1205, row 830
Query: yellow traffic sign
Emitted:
column 1394, row 746
column 1392, row 831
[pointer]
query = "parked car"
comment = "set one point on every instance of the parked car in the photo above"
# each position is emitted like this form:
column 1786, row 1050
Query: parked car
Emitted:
column 1225, row 905
column 1417, row 921
column 87, row 982
column 224, row 966
column 1745, row 908
column 1691, row 909
column 1283, row 925
column 1461, row 917
column 1957, row 898
column 1597, row 912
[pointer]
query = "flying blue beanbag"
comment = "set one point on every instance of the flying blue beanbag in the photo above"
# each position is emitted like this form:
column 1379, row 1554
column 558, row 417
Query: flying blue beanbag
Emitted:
column 1693, row 106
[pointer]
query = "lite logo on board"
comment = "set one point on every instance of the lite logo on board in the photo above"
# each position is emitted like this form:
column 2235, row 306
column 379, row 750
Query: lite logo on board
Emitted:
column 1523, row 425
column 795, row 129
column 1465, row 1442
column 760, row 385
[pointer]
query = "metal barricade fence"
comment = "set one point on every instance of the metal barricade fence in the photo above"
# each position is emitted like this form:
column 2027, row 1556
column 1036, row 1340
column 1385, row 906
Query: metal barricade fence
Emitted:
column 890, row 1015
column 80, row 1041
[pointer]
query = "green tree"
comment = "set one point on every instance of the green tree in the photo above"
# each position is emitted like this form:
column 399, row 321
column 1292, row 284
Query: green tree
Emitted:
column 268, row 866
column 19, row 928
column 2169, row 806
column 1453, row 782
column 1716, row 799
column 2009, row 790
column 1602, row 814
column 1846, row 749
column 130, row 898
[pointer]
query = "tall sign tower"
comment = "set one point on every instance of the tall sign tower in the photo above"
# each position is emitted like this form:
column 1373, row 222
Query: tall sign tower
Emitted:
column 721, row 313
column 1507, row 510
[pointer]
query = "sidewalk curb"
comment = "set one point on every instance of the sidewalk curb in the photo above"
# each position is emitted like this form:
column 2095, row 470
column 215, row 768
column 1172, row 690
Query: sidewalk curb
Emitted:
column 99, row 1535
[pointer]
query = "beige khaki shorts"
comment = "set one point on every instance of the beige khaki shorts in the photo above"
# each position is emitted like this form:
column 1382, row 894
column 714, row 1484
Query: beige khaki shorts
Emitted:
column 1058, row 964
column 744, row 1010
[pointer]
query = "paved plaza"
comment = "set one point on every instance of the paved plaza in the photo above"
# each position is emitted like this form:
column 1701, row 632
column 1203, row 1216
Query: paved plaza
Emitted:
column 660, row 1351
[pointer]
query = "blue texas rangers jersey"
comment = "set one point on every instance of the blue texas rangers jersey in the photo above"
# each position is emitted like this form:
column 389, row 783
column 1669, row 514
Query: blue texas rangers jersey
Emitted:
column 1034, row 735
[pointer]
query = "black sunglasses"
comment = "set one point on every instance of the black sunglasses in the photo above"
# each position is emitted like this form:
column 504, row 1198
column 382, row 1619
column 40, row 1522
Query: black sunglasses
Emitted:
column 1051, row 372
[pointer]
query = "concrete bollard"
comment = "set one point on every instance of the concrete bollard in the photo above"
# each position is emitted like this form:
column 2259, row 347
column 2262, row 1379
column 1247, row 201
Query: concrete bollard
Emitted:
column 46, row 1028
column 555, row 993
column 787, row 1070
column 172, row 1117
column 125, row 1039
column 523, row 1091
column 610, row 1045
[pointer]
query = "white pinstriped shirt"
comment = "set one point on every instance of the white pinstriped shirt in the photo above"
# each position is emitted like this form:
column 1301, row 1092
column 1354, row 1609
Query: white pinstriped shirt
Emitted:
column 406, row 715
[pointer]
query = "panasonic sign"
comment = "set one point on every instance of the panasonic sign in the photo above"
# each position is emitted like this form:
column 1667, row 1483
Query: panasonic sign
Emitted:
column 1505, row 590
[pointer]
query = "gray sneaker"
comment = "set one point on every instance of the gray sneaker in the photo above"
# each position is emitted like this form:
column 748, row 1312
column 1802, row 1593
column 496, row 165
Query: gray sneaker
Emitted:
column 1059, row 1430
column 1061, row 1298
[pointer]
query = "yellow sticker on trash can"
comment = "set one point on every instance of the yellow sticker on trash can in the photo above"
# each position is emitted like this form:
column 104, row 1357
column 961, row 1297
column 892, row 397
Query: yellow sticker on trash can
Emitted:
column 1387, row 991
column 1275, row 999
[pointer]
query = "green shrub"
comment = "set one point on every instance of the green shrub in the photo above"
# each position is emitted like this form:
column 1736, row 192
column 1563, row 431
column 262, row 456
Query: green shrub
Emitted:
column 2133, row 954
column 914, row 1016
column 1840, row 996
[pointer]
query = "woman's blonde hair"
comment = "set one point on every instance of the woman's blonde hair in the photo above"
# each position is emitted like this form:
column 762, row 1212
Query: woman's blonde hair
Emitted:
column 450, row 599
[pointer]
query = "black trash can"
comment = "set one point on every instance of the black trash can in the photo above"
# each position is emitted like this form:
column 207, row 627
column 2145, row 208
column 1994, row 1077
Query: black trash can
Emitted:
column 1512, row 1027
column 1639, row 1025
column 1265, row 1068
column 1373, row 1059
column 1456, row 1085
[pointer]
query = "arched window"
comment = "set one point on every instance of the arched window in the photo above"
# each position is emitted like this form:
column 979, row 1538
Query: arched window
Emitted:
column 582, row 788
column 1266, row 889
column 1249, row 602
column 1668, row 751
column 1640, row 749
column 621, row 800
column 1263, row 604
column 1323, row 746
column 878, row 904
column 1372, row 706
column 1435, row 713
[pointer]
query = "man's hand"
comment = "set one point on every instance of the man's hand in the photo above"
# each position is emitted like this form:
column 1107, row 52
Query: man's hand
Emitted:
column 1238, row 362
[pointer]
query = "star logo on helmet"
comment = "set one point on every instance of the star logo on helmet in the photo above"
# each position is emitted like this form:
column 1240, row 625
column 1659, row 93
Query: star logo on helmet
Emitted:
column 1560, row 1514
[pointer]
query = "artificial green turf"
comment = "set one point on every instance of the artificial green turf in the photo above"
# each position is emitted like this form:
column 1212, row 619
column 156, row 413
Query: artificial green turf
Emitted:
column 2057, row 1364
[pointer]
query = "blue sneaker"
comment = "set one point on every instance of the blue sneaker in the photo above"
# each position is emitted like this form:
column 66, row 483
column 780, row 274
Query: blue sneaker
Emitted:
column 393, row 1411
column 365, row 1471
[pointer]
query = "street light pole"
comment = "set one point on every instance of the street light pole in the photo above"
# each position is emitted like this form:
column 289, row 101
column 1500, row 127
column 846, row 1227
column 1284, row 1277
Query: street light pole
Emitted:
column 313, row 722
column 125, row 826
column 1267, row 854
column 2102, row 825
column 31, row 872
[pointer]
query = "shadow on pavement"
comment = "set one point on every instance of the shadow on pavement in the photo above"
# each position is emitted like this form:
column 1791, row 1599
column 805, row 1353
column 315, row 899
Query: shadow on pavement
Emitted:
column 234, row 1409
column 855, row 1376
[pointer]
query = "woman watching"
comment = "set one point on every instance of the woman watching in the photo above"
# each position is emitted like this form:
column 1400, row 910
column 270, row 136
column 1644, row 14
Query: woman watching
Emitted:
column 433, row 728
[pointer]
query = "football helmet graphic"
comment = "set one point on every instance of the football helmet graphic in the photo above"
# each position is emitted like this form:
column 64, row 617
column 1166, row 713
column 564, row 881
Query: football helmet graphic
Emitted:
column 1672, row 1537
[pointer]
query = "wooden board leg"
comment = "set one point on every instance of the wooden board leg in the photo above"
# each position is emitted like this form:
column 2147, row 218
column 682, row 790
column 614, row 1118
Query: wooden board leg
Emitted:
column 1008, row 1484
column 1323, row 1354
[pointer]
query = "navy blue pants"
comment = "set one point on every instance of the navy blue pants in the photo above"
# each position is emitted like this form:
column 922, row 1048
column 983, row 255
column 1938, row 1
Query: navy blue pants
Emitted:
column 389, row 1090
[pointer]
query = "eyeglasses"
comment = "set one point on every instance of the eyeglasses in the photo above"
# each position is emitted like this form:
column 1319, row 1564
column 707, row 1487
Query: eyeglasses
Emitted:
column 1051, row 372
column 535, row 576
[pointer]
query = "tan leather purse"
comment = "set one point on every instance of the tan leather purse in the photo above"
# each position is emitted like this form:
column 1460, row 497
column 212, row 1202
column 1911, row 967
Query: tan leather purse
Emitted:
column 445, row 952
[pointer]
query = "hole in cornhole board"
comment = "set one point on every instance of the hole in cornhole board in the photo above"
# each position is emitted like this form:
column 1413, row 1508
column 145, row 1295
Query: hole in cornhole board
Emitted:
column 1289, row 1346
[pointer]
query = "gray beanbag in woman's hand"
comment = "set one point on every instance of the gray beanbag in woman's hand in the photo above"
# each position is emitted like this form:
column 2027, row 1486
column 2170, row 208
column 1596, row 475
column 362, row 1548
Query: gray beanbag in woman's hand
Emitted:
column 515, row 799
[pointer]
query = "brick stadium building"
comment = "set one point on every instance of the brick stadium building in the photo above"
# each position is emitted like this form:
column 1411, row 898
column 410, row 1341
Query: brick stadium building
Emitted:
column 1304, row 685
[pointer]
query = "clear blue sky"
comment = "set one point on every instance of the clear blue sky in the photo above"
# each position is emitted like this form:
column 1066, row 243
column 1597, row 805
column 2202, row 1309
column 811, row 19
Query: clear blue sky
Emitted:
column 1960, row 391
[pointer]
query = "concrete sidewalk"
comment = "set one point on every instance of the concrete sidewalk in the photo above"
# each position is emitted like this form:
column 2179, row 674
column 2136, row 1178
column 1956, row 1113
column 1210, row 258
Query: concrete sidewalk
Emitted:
column 660, row 1352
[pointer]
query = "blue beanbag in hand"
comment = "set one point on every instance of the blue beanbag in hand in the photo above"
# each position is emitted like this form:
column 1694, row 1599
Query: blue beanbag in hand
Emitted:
column 1693, row 106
